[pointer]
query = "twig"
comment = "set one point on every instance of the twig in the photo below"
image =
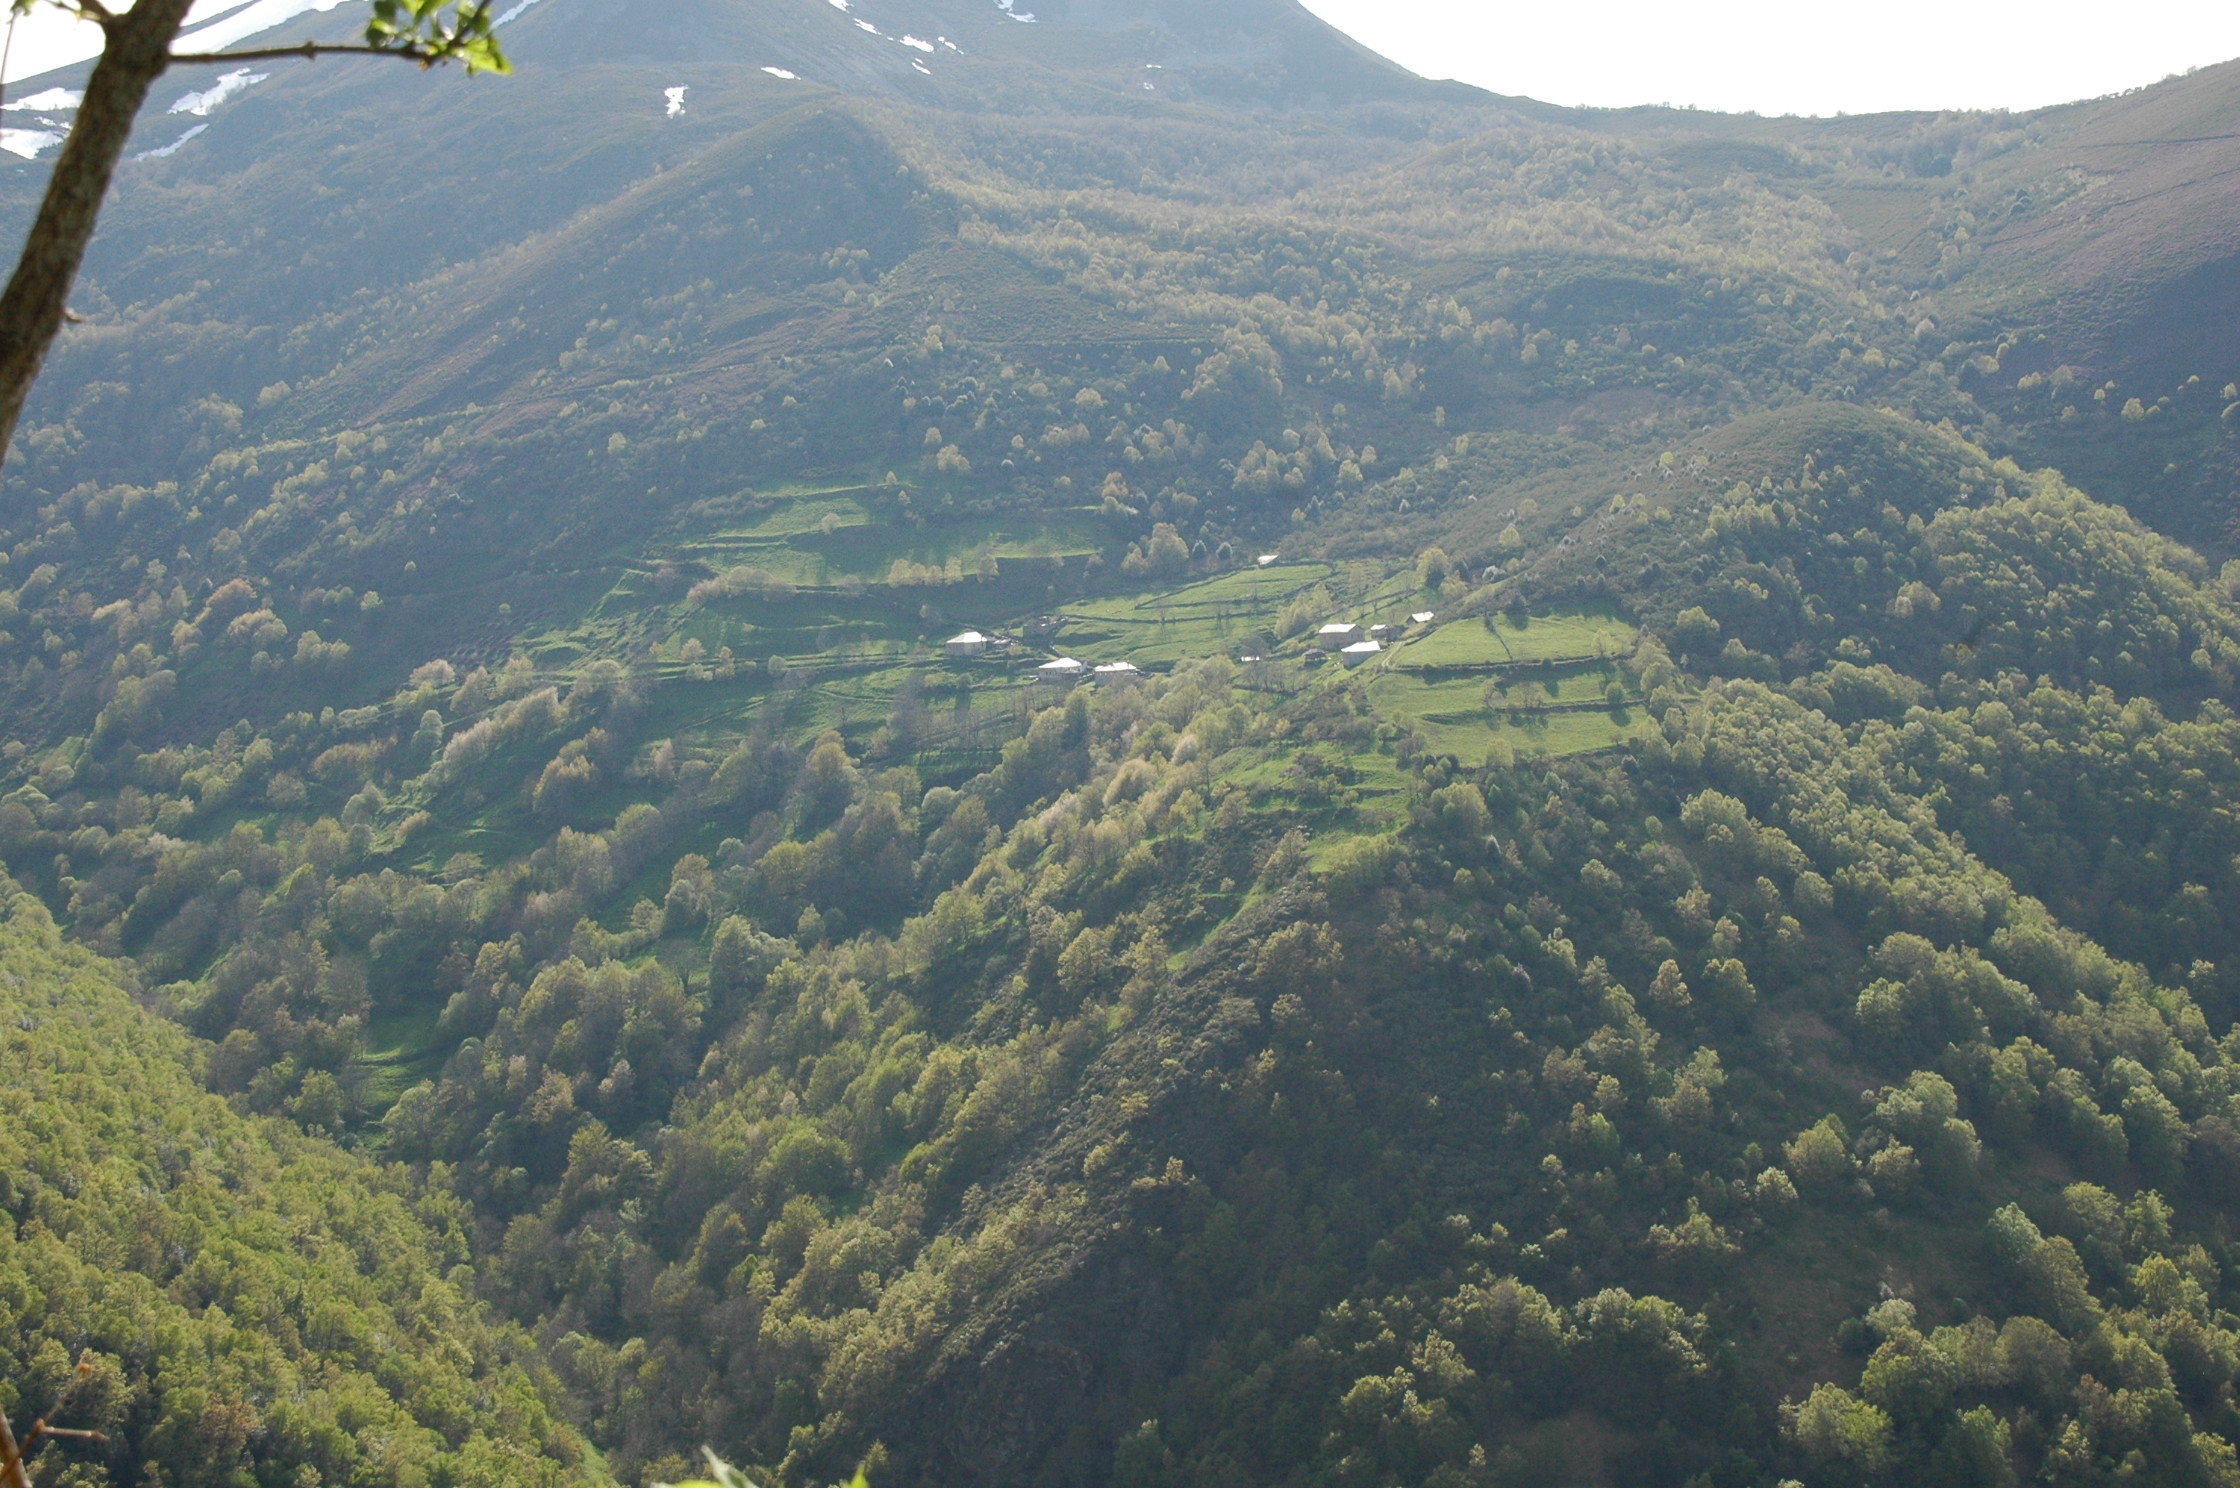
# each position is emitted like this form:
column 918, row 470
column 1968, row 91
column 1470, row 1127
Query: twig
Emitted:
column 12, row 1455
column 310, row 50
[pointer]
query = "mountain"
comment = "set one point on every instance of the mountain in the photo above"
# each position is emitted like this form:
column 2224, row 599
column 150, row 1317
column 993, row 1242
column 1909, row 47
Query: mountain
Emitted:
column 1737, row 987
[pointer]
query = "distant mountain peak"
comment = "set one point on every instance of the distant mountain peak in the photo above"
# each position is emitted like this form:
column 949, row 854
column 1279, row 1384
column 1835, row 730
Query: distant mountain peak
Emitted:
column 1266, row 52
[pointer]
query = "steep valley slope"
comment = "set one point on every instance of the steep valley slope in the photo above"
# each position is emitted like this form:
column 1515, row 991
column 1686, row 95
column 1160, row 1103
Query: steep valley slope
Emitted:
column 1733, row 988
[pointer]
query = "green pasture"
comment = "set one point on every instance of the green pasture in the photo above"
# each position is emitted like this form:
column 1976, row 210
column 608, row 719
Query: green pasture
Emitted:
column 1209, row 618
column 807, row 515
column 1252, row 588
column 1503, row 640
column 824, row 541
column 1451, row 717
column 1570, row 684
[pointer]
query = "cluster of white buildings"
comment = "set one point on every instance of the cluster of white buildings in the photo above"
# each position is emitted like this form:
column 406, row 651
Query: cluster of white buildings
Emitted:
column 1343, row 638
column 1064, row 669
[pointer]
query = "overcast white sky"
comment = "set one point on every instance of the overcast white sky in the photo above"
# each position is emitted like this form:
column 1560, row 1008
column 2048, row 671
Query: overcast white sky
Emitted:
column 1796, row 56
column 47, row 39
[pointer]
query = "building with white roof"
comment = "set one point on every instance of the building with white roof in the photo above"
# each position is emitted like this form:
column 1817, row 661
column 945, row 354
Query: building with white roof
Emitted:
column 1422, row 617
column 1338, row 633
column 1064, row 669
column 1359, row 652
column 1114, row 671
column 971, row 643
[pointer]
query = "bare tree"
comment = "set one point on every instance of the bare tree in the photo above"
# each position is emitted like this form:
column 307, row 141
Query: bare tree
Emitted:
column 136, row 50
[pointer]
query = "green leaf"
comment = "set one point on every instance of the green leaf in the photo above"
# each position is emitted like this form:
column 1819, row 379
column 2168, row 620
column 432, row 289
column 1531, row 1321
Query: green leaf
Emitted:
column 434, row 32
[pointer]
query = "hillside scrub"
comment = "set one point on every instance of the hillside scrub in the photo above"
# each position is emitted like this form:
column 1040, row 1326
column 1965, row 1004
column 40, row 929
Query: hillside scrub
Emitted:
column 231, row 1299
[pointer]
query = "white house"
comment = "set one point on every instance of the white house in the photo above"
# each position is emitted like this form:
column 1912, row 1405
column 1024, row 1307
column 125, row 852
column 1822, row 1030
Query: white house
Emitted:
column 1267, row 559
column 971, row 643
column 1359, row 652
column 1064, row 669
column 1380, row 632
column 1116, row 671
column 1422, row 617
column 1338, row 634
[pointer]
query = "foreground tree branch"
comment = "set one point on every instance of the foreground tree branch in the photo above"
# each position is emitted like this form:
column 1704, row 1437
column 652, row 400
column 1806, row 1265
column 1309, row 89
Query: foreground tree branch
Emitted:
column 136, row 52
column 13, row 1472
column 11, row 1457
column 307, row 50
column 31, row 310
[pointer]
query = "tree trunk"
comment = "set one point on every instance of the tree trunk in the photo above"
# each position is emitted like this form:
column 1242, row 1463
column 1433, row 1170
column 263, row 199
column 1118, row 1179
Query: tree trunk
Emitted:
column 12, row 1457
column 31, row 311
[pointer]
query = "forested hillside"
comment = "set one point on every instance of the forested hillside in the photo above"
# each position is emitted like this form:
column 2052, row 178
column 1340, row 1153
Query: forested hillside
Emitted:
column 533, row 951
column 230, row 1300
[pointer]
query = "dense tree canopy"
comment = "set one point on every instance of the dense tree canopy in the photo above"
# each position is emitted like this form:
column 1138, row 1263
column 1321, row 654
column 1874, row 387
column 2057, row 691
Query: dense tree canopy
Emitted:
column 228, row 1299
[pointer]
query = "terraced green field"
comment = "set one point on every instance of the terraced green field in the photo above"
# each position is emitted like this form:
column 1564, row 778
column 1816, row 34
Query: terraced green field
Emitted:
column 1452, row 717
column 797, row 518
column 1505, row 640
column 1209, row 618
column 829, row 539
column 823, row 645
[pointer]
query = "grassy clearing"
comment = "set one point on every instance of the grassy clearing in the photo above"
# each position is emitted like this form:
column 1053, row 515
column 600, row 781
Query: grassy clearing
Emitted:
column 801, row 517
column 823, row 542
column 1571, row 636
column 1504, row 640
column 1150, row 640
column 403, row 1049
column 1253, row 588
column 1465, row 643
column 1327, row 845
column 969, row 709
column 1569, row 685
column 1451, row 716
column 1164, row 626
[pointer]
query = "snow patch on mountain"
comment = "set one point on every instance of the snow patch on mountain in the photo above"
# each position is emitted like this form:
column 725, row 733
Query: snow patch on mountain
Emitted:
column 29, row 143
column 676, row 100
column 52, row 101
column 167, row 151
column 780, row 72
column 240, row 80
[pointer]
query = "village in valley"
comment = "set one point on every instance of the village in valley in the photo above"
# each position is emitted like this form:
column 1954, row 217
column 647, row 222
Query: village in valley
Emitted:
column 808, row 612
